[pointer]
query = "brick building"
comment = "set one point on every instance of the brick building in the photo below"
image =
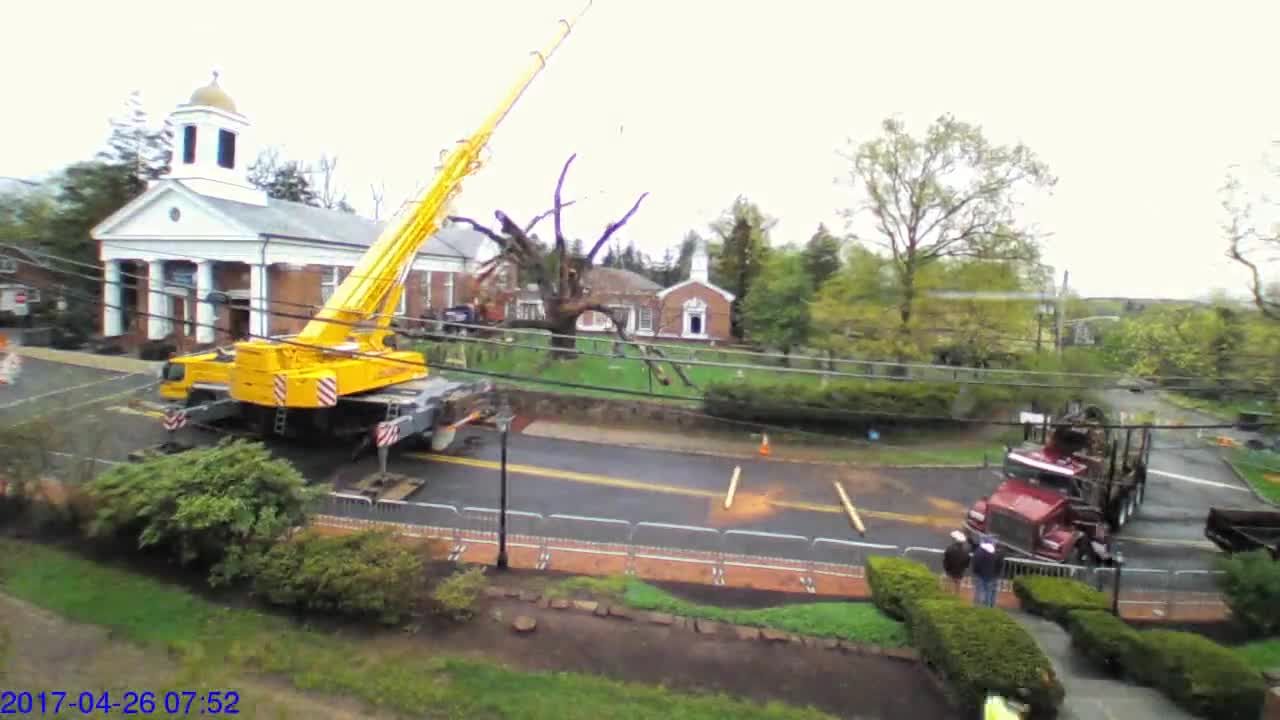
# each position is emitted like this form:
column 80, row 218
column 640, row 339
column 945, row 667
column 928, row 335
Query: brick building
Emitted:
column 25, row 285
column 203, row 229
column 693, row 310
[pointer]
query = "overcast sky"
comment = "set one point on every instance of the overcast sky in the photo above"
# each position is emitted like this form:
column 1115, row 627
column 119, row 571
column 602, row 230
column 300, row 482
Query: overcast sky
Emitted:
column 1138, row 107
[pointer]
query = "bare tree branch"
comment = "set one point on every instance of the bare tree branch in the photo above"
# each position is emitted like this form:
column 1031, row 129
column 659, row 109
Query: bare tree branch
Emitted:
column 543, row 216
column 614, row 227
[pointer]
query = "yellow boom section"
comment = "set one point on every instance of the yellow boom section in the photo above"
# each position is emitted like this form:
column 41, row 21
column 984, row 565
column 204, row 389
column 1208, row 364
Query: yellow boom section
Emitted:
column 317, row 366
column 379, row 275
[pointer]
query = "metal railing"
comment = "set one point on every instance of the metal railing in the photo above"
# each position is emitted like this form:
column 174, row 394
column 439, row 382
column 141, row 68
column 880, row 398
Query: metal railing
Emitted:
column 1160, row 592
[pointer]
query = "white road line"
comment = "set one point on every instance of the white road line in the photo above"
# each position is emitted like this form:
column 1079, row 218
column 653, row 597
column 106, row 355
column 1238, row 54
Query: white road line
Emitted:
column 1197, row 481
column 41, row 396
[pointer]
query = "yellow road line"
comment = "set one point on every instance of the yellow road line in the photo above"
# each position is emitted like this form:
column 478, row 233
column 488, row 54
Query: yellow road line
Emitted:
column 627, row 484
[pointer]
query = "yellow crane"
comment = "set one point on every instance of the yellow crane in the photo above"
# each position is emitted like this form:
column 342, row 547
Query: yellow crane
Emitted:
column 339, row 374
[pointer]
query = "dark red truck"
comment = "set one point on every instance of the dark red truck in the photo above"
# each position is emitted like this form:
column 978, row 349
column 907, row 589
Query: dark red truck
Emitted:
column 1066, row 490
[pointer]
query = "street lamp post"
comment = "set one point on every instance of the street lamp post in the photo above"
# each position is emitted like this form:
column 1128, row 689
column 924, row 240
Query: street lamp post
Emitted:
column 1118, row 559
column 503, row 420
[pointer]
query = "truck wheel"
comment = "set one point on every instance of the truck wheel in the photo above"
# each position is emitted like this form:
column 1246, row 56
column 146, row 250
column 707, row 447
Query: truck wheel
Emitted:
column 1142, row 491
column 1119, row 512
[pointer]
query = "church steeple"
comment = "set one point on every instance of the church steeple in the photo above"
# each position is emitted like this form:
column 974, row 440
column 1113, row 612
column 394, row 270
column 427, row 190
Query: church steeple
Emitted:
column 211, row 150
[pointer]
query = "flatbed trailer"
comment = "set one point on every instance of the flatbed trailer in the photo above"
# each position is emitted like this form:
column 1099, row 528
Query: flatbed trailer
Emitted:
column 1236, row 531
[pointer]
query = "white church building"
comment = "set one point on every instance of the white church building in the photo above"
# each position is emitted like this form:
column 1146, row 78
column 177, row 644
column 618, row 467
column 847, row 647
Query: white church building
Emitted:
column 203, row 228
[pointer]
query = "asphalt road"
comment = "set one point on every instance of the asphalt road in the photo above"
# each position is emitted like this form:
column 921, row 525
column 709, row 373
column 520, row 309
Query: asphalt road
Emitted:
column 91, row 415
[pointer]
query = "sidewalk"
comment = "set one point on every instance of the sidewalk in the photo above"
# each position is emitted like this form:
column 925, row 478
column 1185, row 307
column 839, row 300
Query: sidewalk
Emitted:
column 739, row 444
column 112, row 363
column 1090, row 694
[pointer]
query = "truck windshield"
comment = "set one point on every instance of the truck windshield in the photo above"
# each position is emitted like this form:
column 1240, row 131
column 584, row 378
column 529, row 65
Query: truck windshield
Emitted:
column 1060, row 483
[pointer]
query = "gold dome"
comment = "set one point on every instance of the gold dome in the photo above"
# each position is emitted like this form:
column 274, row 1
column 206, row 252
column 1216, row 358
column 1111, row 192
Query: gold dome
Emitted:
column 212, row 95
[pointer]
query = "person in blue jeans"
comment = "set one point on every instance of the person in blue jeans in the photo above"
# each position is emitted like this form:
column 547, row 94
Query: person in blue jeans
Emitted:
column 986, row 572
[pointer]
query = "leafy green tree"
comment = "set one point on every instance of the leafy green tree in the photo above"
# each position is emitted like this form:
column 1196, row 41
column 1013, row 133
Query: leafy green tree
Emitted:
column 822, row 255
column 776, row 310
column 743, row 247
column 218, row 508
column 364, row 574
column 855, row 313
column 88, row 193
column 976, row 331
column 948, row 194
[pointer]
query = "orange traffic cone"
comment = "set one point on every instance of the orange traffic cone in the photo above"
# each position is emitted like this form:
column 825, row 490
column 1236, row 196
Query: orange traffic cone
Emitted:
column 764, row 446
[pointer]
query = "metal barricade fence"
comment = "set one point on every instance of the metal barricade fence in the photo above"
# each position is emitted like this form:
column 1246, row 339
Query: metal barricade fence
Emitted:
column 676, row 543
column 1195, row 588
column 844, row 558
column 584, row 534
column 1013, row 567
column 767, row 551
column 1149, row 587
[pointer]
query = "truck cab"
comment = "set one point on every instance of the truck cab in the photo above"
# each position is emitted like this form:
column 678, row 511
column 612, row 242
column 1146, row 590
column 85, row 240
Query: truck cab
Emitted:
column 1066, row 491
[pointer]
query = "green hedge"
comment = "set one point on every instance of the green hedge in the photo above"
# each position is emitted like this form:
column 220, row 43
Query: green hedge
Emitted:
column 1200, row 675
column 981, row 650
column 859, row 402
column 1054, row 597
column 895, row 582
column 1105, row 639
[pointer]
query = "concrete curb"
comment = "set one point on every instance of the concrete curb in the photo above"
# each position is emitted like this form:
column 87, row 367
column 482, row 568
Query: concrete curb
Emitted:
column 743, row 456
column 112, row 363
column 708, row 628
column 1235, row 471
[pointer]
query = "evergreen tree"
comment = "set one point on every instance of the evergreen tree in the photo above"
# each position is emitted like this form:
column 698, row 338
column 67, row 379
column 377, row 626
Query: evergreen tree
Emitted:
column 575, row 247
column 744, row 247
column 143, row 151
column 822, row 255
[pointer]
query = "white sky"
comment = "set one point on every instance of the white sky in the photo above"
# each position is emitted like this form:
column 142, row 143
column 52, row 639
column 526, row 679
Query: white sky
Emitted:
column 1138, row 107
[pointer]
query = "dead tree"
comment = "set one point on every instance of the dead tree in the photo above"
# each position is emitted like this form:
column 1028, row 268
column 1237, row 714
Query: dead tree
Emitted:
column 560, row 285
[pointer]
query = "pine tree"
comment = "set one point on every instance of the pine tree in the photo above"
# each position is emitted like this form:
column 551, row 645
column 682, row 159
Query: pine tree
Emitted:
column 143, row 151
column 822, row 255
column 744, row 247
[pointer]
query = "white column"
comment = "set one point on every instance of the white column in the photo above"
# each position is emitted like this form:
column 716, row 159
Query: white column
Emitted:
column 157, row 302
column 448, row 284
column 259, row 291
column 205, row 316
column 112, row 300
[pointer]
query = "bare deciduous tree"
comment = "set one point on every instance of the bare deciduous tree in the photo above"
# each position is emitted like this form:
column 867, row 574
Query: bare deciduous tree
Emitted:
column 1251, row 246
column 559, row 275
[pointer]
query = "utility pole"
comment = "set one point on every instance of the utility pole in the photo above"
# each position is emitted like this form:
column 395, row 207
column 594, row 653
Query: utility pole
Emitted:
column 1061, row 311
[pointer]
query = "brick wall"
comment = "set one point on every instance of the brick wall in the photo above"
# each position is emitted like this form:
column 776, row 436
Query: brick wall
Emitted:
column 717, row 314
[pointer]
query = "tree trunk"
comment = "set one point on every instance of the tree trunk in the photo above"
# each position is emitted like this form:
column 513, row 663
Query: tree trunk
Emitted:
column 564, row 339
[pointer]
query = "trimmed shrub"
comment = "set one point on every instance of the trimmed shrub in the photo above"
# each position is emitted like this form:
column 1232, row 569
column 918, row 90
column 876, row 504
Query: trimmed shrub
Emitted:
column 1202, row 676
column 364, row 574
column 895, row 582
column 1054, row 597
column 456, row 595
column 1251, row 584
column 981, row 650
column 1105, row 639
column 855, row 403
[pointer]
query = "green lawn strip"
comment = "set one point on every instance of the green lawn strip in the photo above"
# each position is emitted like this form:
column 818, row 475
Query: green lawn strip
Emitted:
column 1262, row 654
column 857, row 622
column 215, row 642
column 1254, row 466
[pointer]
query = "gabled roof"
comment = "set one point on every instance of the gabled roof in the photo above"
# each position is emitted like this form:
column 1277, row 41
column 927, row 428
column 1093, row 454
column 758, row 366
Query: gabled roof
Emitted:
column 604, row 280
column 286, row 219
column 723, row 293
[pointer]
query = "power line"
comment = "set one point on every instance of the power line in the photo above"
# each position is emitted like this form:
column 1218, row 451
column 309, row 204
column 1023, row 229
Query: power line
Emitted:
column 266, row 302
column 689, row 362
column 772, row 406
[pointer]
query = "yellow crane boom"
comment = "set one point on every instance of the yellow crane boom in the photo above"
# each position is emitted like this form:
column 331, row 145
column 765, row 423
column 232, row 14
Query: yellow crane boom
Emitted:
column 317, row 367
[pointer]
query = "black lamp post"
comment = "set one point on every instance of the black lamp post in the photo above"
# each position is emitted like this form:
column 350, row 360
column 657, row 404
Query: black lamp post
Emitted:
column 503, row 419
column 1118, row 559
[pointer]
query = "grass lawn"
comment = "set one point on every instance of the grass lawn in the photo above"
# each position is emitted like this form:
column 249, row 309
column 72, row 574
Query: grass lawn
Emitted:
column 1261, row 469
column 1225, row 410
column 213, row 644
column 1263, row 654
column 857, row 622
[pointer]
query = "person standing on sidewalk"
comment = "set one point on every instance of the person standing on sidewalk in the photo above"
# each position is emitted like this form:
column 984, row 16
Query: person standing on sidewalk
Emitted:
column 955, row 560
column 986, row 572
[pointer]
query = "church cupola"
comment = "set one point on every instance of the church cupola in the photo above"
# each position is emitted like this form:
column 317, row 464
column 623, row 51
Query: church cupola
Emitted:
column 211, row 152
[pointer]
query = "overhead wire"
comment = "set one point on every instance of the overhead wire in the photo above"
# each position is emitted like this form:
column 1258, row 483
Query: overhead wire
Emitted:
column 812, row 409
column 632, row 342
column 683, row 362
